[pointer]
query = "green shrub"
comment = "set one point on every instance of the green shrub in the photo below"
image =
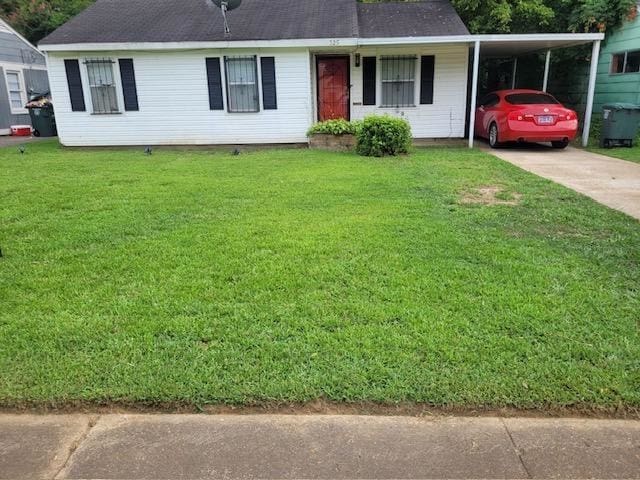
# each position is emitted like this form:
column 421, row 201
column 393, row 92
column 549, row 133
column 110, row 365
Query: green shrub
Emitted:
column 333, row 127
column 383, row 135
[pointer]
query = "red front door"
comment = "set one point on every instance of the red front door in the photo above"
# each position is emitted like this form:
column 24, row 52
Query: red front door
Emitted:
column 333, row 88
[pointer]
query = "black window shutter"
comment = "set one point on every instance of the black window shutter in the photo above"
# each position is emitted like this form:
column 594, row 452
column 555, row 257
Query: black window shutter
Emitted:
column 426, row 79
column 214, row 80
column 369, row 80
column 269, row 96
column 129, row 90
column 76, row 93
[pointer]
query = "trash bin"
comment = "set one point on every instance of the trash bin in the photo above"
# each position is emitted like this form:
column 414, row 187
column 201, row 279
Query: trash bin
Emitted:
column 619, row 124
column 42, row 117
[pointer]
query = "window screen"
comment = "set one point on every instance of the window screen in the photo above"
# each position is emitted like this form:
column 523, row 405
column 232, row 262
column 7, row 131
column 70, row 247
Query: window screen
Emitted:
column 530, row 99
column 242, row 85
column 15, row 90
column 617, row 63
column 398, row 81
column 102, row 86
column 633, row 62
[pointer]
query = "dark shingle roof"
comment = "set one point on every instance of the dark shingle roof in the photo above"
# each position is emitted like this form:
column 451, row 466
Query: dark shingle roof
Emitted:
column 429, row 18
column 127, row 21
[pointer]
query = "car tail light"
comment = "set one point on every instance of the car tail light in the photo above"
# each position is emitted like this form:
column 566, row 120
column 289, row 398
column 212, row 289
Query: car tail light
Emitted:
column 521, row 117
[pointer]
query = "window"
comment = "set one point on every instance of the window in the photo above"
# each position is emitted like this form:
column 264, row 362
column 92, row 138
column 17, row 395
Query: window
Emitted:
column 398, row 81
column 17, row 93
column 489, row 101
column 242, row 84
column 626, row 62
column 530, row 99
column 102, row 86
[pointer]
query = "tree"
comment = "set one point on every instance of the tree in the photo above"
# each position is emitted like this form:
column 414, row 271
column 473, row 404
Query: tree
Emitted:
column 531, row 16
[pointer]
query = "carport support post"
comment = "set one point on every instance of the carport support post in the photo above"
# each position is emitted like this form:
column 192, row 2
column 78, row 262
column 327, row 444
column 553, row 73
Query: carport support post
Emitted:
column 514, row 72
column 474, row 92
column 595, row 55
column 547, row 61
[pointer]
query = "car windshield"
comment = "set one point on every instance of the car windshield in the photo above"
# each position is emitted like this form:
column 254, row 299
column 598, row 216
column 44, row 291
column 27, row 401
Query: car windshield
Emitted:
column 530, row 99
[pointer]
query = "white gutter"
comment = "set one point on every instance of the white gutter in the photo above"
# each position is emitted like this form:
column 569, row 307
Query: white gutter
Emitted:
column 326, row 42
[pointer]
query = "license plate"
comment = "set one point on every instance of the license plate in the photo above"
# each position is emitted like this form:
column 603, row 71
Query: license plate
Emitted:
column 545, row 119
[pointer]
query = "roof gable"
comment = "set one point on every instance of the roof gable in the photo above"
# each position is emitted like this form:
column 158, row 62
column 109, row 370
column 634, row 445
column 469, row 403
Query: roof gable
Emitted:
column 142, row 21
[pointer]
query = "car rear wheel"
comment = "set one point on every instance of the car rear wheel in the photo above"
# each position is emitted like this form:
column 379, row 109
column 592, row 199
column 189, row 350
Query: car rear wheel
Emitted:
column 493, row 136
column 560, row 144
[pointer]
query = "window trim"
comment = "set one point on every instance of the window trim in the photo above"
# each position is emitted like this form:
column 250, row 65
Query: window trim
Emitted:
column 416, row 81
column 23, row 91
column 624, row 62
column 258, row 83
column 84, row 75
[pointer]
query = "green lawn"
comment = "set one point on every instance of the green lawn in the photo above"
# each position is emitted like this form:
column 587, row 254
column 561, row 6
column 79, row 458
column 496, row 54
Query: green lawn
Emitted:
column 292, row 275
column 624, row 153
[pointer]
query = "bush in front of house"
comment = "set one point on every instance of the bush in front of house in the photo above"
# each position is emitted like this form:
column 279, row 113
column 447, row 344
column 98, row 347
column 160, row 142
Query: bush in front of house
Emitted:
column 333, row 127
column 383, row 135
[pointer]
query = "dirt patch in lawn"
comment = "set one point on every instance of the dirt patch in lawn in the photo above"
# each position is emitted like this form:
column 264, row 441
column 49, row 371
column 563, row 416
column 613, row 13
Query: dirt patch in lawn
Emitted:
column 327, row 407
column 490, row 195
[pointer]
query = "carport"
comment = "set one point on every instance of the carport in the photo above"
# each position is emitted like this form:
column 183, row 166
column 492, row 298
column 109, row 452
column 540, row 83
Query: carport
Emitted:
column 512, row 46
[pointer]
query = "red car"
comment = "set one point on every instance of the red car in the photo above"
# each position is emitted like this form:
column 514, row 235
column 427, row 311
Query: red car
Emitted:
column 525, row 116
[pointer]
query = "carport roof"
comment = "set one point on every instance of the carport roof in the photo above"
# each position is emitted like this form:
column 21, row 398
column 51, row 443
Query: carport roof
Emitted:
column 509, row 45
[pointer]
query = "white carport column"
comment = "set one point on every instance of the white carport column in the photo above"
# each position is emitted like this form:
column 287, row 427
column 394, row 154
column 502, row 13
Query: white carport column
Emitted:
column 547, row 62
column 595, row 56
column 514, row 73
column 474, row 92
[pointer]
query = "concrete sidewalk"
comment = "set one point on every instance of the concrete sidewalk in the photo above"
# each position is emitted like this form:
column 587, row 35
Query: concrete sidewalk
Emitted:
column 610, row 181
column 319, row 447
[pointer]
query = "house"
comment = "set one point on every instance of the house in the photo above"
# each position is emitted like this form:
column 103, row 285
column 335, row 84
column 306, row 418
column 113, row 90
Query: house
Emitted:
column 619, row 67
column 158, row 72
column 137, row 72
column 23, row 72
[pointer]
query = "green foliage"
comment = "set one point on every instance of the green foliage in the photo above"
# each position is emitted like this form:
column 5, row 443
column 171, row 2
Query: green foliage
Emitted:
column 383, row 135
column 529, row 16
column 333, row 127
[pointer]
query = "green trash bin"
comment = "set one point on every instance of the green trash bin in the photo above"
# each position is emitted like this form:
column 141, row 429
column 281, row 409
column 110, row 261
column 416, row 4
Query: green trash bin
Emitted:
column 42, row 116
column 619, row 124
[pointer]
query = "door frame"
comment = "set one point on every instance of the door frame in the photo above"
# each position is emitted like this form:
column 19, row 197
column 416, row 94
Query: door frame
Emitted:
column 333, row 56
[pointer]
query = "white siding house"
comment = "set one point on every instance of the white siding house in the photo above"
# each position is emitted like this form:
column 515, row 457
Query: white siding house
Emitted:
column 174, row 106
column 202, row 86
column 174, row 109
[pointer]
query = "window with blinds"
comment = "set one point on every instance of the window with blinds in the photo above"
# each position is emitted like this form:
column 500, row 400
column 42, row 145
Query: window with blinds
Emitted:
column 17, row 95
column 102, row 86
column 398, row 81
column 242, row 84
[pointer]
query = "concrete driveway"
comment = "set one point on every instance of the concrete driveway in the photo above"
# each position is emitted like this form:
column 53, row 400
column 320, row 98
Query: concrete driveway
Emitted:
column 612, row 182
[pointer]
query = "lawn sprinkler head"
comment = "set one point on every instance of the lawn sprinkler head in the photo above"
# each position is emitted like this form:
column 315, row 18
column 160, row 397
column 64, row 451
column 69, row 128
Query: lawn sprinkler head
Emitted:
column 148, row 151
column 22, row 149
column 236, row 152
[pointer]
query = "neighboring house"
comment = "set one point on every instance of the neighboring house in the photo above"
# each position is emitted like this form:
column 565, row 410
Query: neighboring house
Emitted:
column 619, row 67
column 23, row 72
column 137, row 72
